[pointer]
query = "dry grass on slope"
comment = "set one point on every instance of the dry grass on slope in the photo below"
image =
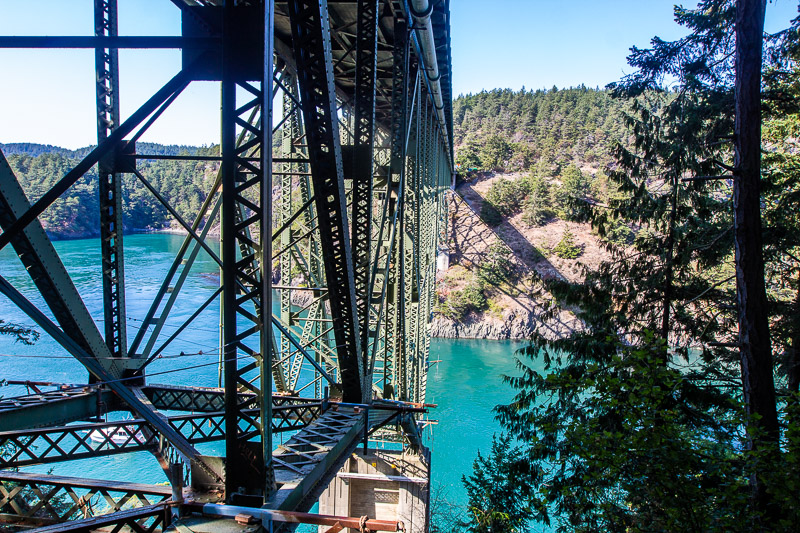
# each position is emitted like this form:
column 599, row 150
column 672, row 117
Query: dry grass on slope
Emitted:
column 470, row 241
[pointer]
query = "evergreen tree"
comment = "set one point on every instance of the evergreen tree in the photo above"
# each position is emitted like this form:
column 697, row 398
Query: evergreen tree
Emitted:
column 537, row 205
column 639, row 423
column 566, row 247
column 497, row 489
column 570, row 196
column 495, row 152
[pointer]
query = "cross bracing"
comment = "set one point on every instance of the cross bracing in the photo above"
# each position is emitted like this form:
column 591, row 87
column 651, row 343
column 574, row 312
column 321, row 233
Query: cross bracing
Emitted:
column 338, row 221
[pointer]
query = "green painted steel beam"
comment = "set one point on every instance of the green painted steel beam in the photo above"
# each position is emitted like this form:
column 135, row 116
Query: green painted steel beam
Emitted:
column 55, row 408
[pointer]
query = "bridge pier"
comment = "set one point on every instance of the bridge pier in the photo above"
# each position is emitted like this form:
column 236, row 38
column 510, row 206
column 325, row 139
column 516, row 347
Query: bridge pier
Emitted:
column 365, row 124
column 385, row 484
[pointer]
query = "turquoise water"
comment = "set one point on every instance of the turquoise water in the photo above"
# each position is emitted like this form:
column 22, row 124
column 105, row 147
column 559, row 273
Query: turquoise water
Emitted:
column 465, row 384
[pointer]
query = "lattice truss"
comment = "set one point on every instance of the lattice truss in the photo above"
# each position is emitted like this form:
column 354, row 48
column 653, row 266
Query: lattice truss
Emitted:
column 394, row 170
column 328, row 195
column 44, row 500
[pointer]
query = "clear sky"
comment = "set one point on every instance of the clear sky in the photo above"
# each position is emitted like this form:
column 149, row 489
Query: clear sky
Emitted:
column 47, row 96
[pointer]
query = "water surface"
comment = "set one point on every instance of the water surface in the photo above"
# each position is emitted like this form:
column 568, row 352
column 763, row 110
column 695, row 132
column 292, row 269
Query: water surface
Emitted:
column 465, row 384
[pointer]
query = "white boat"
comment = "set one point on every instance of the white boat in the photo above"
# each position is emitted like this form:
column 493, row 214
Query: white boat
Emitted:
column 119, row 435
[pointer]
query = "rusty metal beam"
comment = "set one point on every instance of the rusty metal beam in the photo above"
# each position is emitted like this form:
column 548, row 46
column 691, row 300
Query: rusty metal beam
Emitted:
column 55, row 407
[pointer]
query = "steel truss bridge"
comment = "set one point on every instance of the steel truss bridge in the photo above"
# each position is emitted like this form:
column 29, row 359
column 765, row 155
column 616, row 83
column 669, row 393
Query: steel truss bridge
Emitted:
column 334, row 156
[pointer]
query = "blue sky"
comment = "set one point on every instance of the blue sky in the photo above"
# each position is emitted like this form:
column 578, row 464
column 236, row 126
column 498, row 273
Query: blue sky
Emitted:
column 500, row 43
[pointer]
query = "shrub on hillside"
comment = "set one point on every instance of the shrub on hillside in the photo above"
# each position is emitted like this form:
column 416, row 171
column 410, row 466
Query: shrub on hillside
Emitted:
column 618, row 232
column 536, row 208
column 497, row 267
column 507, row 195
column 460, row 302
column 566, row 247
column 504, row 199
column 468, row 157
column 571, row 195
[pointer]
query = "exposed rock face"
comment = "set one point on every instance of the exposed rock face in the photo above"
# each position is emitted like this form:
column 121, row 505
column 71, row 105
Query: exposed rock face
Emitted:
column 517, row 307
column 514, row 326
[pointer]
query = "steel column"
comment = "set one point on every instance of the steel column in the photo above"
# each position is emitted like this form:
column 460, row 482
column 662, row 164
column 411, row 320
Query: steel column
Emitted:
column 312, row 54
column 363, row 144
column 106, row 62
column 246, row 269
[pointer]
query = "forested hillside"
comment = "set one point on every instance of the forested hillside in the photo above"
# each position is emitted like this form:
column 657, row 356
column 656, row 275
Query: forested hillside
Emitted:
column 510, row 130
column 531, row 163
column 76, row 214
column 675, row 405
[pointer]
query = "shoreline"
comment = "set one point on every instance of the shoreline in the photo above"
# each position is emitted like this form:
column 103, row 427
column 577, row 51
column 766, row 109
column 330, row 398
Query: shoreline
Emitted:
column 474, row 327
column 58, row 236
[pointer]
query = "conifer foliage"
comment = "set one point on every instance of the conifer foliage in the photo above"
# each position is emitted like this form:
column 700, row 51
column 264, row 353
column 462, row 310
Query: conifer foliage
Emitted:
column 639, row 422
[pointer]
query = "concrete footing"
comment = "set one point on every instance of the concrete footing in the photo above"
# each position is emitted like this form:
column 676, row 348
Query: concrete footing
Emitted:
column 383, row 484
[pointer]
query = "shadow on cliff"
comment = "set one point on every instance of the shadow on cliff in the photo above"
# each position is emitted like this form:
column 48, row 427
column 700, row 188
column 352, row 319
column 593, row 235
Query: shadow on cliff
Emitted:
column 526, row 254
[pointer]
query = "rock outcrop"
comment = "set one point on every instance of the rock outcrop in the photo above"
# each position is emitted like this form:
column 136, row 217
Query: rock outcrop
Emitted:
column 513, row 326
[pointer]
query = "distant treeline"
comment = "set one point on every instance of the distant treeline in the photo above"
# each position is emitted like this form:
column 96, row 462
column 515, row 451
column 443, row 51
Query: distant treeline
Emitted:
column 510, row 130
column 76, row 213
column 544, row 130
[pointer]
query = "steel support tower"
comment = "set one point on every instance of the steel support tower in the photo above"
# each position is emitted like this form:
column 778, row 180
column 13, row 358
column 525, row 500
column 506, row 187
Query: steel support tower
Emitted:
column 331, row 203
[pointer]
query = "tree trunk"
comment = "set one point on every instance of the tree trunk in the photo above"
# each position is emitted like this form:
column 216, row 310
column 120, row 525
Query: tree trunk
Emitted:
column 756, row 356
column 793, row 372
column 669, row 264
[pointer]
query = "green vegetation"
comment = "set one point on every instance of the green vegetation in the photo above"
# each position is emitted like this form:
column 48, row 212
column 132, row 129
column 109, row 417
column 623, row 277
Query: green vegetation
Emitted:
column 460, row 302
column 549, row 128
column 571, row 195
column 638, row 421
column 497, row 268
column 536, row 210
column 503, row 199
column 184, row 184
column 566, row 247
column 496, row 490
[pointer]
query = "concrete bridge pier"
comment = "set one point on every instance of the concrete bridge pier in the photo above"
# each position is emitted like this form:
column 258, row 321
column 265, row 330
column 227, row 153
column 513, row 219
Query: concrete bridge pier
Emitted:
column 384, row 484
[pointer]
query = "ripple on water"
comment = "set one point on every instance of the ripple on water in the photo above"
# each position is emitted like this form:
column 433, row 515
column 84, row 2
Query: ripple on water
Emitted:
column 466, row 384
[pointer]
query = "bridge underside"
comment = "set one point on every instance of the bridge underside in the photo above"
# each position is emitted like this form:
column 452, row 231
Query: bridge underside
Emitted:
column 327, row 189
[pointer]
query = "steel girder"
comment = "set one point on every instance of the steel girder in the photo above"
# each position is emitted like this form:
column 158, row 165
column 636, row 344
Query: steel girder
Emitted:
column 393, row 338
column 360, row 149
column 312, row 55
column 148, row 519
column 362, row 165
column 40, row 499
column 55, row 407
column 395, row 347
column 110, row 186
column 290, row 133
column 71, row 403
column 81, row 441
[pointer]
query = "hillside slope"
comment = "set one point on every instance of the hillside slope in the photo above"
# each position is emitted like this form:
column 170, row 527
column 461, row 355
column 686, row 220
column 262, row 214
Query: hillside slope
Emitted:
column 517, row 303
column 530, row 163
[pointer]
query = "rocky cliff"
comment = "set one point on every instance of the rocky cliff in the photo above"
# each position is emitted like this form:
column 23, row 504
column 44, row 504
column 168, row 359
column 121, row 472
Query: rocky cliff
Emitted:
column 514, row 309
